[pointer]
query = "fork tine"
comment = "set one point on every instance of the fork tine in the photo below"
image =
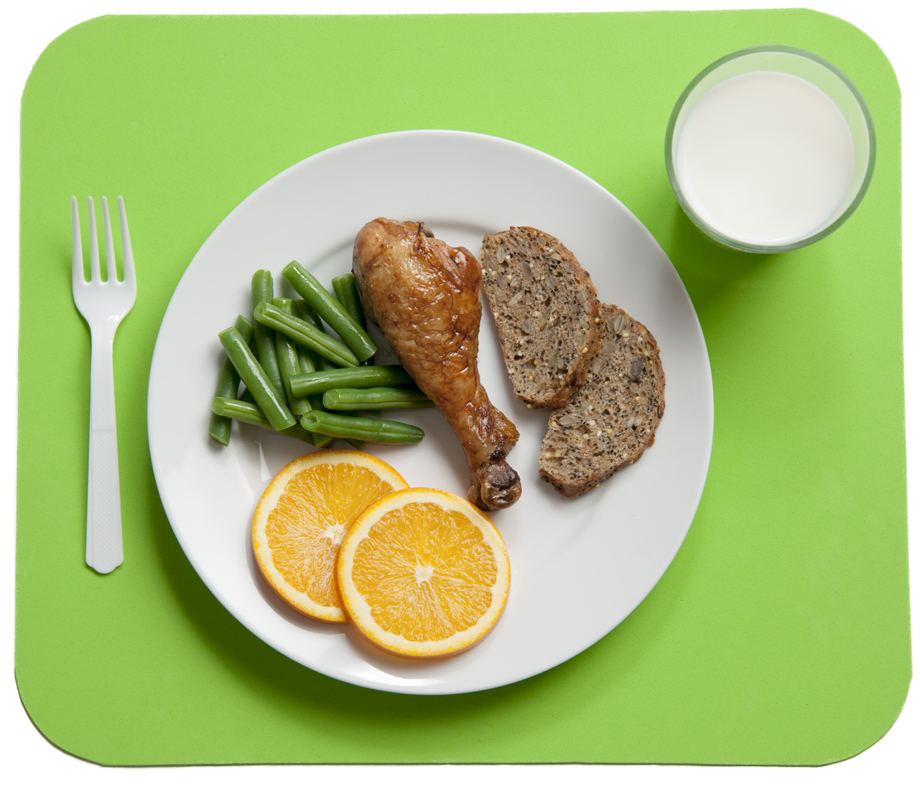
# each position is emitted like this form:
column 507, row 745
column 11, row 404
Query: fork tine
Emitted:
column 94, row 274
column 79, row 276
column 111, row 274
column 127, row 256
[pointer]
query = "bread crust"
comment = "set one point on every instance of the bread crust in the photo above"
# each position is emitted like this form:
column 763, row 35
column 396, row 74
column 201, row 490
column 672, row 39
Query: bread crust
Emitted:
column 546, row 311
column 610, row 422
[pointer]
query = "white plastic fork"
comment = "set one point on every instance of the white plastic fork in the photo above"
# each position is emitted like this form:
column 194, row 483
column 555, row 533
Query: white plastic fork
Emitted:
column 103, row 304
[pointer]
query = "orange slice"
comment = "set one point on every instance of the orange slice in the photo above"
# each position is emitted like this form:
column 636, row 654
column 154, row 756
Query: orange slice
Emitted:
column 423, row 573
column 302, row 517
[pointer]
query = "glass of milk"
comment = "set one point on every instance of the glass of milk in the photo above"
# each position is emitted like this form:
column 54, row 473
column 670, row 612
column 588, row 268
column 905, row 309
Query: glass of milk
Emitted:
column 770, row 149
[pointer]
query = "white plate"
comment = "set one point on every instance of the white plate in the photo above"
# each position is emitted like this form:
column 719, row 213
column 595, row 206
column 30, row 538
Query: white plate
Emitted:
column 579, row 567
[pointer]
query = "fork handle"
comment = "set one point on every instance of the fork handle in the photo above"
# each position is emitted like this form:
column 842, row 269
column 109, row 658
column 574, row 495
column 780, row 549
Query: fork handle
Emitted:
column 103, row 506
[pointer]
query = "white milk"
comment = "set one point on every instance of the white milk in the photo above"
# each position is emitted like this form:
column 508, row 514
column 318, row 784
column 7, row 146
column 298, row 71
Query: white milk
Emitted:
column 764, row 158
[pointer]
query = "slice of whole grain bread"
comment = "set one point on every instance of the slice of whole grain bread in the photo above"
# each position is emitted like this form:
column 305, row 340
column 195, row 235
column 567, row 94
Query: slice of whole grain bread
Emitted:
column 612, row 418
column 546, row 312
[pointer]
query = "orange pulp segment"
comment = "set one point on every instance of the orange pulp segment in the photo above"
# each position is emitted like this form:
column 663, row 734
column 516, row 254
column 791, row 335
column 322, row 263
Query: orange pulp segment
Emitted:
column 423, row 573
column 302, row 518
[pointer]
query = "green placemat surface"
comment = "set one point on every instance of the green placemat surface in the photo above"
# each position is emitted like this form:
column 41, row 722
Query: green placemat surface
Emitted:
column 779, row 635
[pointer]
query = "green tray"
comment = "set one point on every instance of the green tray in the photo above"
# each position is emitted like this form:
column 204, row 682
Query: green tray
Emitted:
column 779, row 635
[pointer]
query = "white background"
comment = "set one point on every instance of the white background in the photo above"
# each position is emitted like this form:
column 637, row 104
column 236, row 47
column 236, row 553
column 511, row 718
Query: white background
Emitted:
column 30, row 25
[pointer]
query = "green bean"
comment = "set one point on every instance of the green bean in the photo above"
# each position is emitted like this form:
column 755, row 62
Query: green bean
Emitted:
column 376, row 398
column 361, row 428
column 330, row 310
column 288, row 362
column 351, row 377
column 346, row 291
column 319, row 440
column 316, row 403
column 228, row 408
column 302, row 310
column 319, row 407
column 301, row 331
column 305, row 312
column 252, row 374
column 309, row 362
column 306, row 359
column 263, row 336
column 228, row 384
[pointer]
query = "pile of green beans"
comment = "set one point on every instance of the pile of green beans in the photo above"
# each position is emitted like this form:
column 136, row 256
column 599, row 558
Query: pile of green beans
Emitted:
column 285, row 372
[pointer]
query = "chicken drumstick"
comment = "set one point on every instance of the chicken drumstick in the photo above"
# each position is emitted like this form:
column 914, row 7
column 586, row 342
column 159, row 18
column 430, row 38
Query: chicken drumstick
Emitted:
column 424, row 296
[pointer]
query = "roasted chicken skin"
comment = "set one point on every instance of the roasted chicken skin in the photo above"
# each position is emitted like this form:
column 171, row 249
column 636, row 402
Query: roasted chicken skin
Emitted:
column 424, row 297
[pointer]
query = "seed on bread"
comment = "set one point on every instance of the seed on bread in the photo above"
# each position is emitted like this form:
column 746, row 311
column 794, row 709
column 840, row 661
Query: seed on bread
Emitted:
column 612, row 419
column 546, row 313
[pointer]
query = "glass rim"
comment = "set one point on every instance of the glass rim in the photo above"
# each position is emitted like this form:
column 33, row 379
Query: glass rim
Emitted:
column 733, row 243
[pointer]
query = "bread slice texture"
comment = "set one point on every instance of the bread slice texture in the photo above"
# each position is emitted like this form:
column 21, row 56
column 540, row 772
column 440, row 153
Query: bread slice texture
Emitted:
column 546, row 312
column 612, row 419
